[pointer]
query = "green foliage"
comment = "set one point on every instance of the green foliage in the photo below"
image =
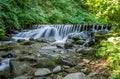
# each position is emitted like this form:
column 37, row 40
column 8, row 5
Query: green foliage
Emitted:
column 111, row 49
column 107, row 9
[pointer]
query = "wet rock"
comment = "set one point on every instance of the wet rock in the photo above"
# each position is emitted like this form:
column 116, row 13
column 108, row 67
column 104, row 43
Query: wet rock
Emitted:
column 59, row 77
column 21, row 77
column 5, row 74
column 45, row 62
column 31, row 39
column 19, row 67
column 94, row 75
column 61, row 61
column 57, row 69
column 78, row 36
column 20, row 40
column 27, row 43
column 50, row 39
column 68, row 45
column 6, row 48
column 71, row 70
column 60, row 45
column 86, row 61
column 79, row 42
column 78, row 75
column 28, row 58
column 87, row 51
column 48, row 49
column 7, row 55
column 42, row 72
column 40, row 40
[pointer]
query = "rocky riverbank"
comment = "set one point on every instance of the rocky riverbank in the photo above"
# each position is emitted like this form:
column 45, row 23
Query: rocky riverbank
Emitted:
column 39, row 59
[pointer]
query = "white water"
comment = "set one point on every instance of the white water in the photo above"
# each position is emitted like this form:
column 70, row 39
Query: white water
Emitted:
column 58, row 32
column 4, row 64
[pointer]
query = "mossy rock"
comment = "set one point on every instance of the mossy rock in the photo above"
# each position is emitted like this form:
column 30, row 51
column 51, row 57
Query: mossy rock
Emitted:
column 5, row 38
column 79, row 42
column 4, row 74
column 45, row 62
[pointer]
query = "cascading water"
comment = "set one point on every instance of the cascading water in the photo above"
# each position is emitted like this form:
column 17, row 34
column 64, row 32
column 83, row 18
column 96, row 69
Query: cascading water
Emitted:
column 58, row 32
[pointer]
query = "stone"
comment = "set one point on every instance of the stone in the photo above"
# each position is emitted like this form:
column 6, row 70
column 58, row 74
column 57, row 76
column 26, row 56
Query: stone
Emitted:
column 20, row 40
column 79, row 42
column 42, row 72
column 19, row 67
column 57, row 69
column 21, row 77
column 87, row 51
column 60, row 45
column 86, row 61
column 50, row 39
column 27, row 42
column 59, row 77
column 6, row 48
column 93, row 75
column 68, row 45
column 77, row 75
column 40, row 40
column 5, row 74
column 31, row 39
column 45, row 62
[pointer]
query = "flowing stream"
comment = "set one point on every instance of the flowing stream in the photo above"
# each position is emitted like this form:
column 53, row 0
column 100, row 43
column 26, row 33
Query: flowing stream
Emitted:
column 58, row 32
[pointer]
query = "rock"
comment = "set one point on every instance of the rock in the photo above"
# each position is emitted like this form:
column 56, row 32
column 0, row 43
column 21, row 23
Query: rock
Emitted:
column 5, row 74
column 40, row 40
column 77, row 75
column 20, row 40
column 59, row 77
column 7, row 55
column 86, row 61
column 48, row 49
column 68, row 45
column 45, row 62
column 60, row 61
column 21, row 77
column 50, row 39
column 79, row 42
column 19, row 67
column 57, row 69
column 78, row 36
column 6, row 48
column 60, row 45
column 42, row 72
column 87, row 51
column 31, row 39
column 93, row 75
column 27, row 42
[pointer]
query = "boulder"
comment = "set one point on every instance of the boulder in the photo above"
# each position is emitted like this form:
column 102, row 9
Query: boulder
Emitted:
column 40, row 40
column 87, row 51
column 50, row 39
column 45, row 62
column 77, row 75
column 79, row 42
column 57, row 69
column 21, row 77
column 42, row 72
column 19, row 67
column 68, row 45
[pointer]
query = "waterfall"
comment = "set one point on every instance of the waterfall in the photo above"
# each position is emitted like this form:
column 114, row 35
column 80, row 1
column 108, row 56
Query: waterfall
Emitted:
column 58, row 32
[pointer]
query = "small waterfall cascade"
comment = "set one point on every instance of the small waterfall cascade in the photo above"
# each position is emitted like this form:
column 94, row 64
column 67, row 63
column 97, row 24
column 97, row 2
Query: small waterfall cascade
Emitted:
column 4, row 65
column 58, row 32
